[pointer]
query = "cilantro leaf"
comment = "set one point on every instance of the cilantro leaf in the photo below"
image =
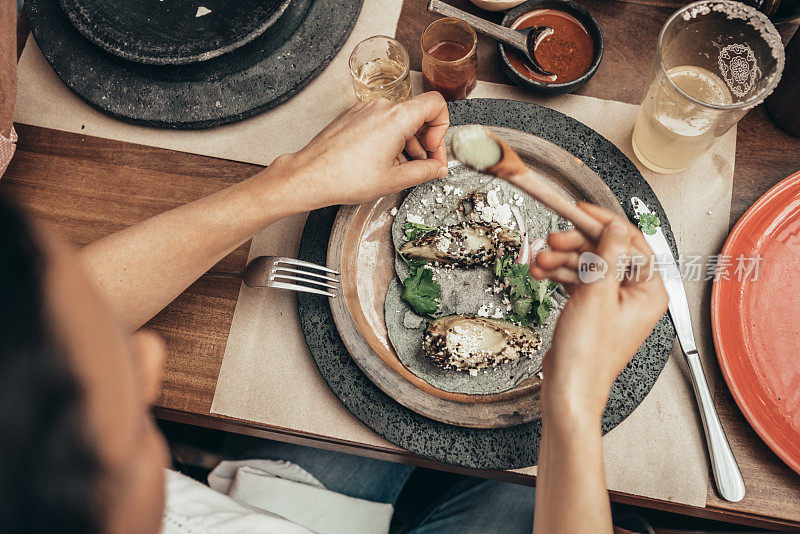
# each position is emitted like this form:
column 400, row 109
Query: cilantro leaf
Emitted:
column 414, row 230
column 543, row 311
column 649, row 223
column 542, row 290
column 421, row 291
column 519, row 280
column 529, row 298
column 522, row 307
column 502, row 264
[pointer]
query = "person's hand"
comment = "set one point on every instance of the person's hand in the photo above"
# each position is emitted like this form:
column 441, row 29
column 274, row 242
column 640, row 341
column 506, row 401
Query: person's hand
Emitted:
column 358, row 157
column 604, row 322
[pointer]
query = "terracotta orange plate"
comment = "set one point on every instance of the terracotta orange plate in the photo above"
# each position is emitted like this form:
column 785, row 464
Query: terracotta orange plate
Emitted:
column 756, row 318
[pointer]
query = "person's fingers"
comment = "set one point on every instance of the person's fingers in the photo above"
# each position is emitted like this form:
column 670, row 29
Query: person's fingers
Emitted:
column 601, row 214
column 566, row 241
column 614, row 247
column 551, row 259
column 439, row 153
column 605, row 216
column 563, row 275
column 415, row 149
column 429, row 110
column 415, row 172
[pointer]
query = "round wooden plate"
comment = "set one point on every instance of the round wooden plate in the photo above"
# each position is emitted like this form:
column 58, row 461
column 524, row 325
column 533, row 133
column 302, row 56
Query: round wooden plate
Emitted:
column 361, row 248
column 172, row 32
column 755, row 320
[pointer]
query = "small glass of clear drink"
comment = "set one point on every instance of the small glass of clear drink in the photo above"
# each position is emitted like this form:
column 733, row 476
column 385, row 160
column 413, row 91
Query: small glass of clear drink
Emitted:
column 715, row 60
column 379, row 67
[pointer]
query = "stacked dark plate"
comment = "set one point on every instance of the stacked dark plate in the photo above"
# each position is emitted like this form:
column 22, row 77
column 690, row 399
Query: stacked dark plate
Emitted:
column 189, row 64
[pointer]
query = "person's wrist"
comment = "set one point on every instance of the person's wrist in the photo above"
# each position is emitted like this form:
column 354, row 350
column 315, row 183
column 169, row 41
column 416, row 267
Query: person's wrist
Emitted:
column 285, row 181
column 574, row 393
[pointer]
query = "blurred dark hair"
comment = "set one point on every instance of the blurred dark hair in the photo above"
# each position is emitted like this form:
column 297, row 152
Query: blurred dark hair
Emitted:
column 49, row 474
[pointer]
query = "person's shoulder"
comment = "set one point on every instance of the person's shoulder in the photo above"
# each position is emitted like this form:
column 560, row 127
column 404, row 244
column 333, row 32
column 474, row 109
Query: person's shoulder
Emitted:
column 194, row 508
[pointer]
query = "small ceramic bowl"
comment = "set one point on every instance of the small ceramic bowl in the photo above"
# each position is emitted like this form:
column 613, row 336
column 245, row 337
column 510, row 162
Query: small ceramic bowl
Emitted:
column 577, row 11
column 496, row 5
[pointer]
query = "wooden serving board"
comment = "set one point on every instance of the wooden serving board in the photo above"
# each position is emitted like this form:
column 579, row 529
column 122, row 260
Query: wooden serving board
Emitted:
column 361, row 248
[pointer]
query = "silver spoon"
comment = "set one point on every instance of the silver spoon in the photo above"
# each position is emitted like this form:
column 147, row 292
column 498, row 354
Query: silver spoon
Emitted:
column 525, row 40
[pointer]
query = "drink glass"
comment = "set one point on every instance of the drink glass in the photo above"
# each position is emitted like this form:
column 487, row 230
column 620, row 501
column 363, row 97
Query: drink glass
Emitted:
column 449, row 58
column 379, row 67
column 715, row 60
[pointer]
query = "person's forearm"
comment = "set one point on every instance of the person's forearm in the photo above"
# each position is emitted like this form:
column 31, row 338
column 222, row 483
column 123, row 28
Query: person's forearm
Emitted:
column 8, row 64
column 571, row 493
column 143, row 268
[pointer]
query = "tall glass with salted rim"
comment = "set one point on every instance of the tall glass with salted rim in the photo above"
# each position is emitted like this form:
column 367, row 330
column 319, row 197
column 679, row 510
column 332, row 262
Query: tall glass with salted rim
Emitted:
column 715, row 60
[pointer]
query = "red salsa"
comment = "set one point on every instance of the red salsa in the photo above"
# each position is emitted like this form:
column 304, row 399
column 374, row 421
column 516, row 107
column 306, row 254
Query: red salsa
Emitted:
column 568, row 52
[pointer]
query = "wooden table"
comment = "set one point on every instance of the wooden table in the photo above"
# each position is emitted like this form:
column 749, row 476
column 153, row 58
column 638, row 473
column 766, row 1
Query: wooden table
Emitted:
column 89, row 187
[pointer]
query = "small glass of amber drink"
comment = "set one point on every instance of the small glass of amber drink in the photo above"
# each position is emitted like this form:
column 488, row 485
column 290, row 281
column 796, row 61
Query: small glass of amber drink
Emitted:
column 379, row 67
column 449, row 58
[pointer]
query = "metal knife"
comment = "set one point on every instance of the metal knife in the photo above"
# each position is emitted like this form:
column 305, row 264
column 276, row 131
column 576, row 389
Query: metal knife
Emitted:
column 730, row 483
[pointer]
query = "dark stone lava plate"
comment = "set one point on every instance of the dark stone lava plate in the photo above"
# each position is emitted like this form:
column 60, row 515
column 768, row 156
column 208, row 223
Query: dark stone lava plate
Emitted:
column 249, row 80
column 500, row 448
column 171, row 32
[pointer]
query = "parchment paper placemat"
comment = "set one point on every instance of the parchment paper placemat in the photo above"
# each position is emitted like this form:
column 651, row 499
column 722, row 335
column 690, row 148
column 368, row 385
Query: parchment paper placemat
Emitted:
column 657, row 452
column 267, row 373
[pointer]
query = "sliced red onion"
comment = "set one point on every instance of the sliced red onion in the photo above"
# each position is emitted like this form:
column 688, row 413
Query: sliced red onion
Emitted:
column 524, row 250
column 537, row 245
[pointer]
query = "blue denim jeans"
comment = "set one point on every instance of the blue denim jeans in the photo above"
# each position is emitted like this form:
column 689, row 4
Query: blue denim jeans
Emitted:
column 477, row 505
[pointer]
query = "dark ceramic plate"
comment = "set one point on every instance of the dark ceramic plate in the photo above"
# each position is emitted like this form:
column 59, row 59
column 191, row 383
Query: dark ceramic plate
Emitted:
column 249, row 80
column 495, row 448
column 172, row 32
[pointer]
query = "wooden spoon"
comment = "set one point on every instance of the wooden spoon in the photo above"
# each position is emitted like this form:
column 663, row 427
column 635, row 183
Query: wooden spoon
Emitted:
column 525, row 40
column 478, row 148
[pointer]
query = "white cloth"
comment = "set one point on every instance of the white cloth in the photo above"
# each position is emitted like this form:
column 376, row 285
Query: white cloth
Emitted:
column 256, row 496
column 7, row 147
column 193, row 508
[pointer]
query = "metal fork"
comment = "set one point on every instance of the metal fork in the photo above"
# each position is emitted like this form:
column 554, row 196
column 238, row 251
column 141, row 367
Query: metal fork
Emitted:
column 286, row 273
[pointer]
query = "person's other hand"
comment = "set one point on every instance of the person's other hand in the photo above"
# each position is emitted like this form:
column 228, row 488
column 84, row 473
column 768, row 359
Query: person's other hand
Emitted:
column 357, row 157
column 604, row 322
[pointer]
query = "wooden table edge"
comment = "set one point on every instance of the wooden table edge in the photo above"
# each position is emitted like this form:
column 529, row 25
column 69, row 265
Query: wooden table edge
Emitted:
column 260, row 430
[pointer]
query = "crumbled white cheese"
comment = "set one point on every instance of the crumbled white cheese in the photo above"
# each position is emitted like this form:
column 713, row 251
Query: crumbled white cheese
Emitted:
column 498, row 314
column 447, row 189
column 491, row 198
column 439, row 200
column 415, row 219
column 484, row 310
column 393, row 212
column 424, row 201
column 458, row 192
column 202, row 11
column 494, row 211
column 503, row 214
column 473, row 372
